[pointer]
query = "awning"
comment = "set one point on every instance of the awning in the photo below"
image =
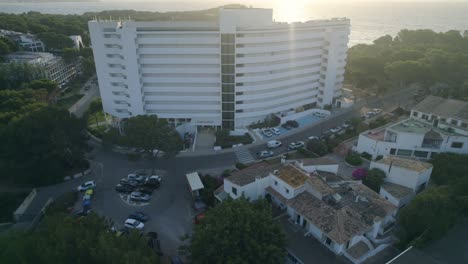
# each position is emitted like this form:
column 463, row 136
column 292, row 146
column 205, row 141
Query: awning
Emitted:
column 194, row 181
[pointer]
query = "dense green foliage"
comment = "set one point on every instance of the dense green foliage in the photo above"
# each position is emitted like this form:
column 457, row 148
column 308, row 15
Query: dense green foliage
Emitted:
column 40, row 143
column 238, row 231
column 210, row 185
column 63, row 238
column 6, row 46
column 317, row 146
column 413, row 56
column 16, row 75
column 148, row 133
column 374, row 179
column 353, row 159
column 434, row 211
column 225, row 140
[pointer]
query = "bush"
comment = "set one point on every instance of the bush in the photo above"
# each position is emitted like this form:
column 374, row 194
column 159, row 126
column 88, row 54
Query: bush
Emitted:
column 366, row 155
column 353, row 159
column 332, row 144
column 379, row 157
column 306, row 153
column 317, row 146
column 380, row 121
column 224, row 140
column 210, row 185
column 270, row 121
column 374, row 179
column 240, row 166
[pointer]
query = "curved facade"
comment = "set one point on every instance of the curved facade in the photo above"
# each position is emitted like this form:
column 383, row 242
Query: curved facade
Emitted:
column 230, row 73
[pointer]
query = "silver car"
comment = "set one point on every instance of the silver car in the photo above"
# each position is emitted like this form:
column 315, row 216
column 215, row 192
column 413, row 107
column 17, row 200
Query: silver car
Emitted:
column 139, row 196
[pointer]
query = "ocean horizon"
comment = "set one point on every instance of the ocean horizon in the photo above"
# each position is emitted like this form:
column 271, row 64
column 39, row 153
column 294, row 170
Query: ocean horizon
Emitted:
column 369, row 21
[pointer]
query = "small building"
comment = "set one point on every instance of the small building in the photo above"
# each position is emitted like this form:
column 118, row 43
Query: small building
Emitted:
column 318, row 164
column 77, row 41
column 28, row 42
column 404, row 178
column 195, row 184
column 348, row 218
column 436, row 125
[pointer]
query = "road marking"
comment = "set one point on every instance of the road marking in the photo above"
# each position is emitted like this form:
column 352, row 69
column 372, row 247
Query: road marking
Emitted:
column 243, row 155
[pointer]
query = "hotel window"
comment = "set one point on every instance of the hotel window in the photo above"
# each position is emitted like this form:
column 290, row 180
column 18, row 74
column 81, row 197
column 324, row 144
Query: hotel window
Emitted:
column 234, row 190
column 276, row 183
column 415, row 114
column 404, row 152
column 457, row 145
column 424, row 116
column 287, row 190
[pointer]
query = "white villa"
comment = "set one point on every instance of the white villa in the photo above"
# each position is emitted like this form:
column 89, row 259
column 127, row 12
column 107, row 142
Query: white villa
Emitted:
column 404, row 178
column 435, row 125
column 345, row 216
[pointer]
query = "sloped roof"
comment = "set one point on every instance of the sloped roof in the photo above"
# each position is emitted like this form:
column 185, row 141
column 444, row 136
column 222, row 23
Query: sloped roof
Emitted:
column 396, row 190
column 249, row 174
column 293, row 176
column 443, row 107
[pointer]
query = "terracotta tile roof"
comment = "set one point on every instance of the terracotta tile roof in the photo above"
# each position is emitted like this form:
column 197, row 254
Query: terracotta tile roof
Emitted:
column 407, row 163
column 320, row 185
column 353, row 215
column 396, row 190
column 276, row 194
column 249, row 174
column 292, row 175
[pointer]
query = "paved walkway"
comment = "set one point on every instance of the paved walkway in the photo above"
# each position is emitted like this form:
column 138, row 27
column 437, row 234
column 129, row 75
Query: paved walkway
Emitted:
column 205, row 140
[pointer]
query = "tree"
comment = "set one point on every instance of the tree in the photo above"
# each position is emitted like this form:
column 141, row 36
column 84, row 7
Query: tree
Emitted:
column 317, row 146
column 15, row 75
column 95, row 107
column 46, row 84
column 238, row 231
column 210, row 185
column 148, row 132
column 41, row 146
column 449, row 168
column 374, row 179
column 55, row 41
column 69, row 54
column 62, row 238
column 429, row 216
column 88, row 67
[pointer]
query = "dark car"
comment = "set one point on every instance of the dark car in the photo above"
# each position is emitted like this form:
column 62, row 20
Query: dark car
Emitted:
column 132, row 183
column 140, row 216
column 155, row 184
column 123, row 188
column 148, row 190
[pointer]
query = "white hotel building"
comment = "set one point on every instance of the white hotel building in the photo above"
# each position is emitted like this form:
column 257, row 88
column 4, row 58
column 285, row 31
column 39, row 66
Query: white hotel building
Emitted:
column 229, row 73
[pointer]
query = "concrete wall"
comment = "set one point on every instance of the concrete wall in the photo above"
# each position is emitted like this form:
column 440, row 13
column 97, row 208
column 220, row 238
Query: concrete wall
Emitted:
column 283, row 188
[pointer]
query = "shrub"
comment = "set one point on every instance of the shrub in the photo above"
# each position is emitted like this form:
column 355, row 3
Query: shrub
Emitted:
column 380, row 121
column 379, row 157
column 240, row 166
column 366, row 155
column 306, row 153
column 270, row 121
column 353, row 159
column 225, row 140
column 317, row 146
column 374, row 179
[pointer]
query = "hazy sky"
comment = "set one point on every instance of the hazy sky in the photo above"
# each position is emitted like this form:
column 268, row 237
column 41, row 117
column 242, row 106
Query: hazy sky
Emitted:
column 263, row 2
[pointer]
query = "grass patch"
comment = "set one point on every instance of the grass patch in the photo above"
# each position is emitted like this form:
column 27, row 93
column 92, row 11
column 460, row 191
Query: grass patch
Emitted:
column 8, row 204
column 69, row 101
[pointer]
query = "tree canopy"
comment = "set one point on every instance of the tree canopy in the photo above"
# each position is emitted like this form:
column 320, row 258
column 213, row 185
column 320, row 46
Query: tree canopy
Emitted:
column 238, row 231
column 62, row 238
column 434, row 211
column 421, row 57
column 374, row 179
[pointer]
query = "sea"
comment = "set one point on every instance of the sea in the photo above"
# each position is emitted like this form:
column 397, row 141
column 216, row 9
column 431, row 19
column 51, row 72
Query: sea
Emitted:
column 369, row 20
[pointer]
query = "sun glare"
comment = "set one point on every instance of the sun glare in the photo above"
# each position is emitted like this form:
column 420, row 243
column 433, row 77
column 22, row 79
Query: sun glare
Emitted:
column 290, row 10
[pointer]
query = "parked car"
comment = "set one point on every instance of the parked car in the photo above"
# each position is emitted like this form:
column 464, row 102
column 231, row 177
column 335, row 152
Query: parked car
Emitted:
column 266, row 132
column 265, row 154
column 275, row 131
column 136, row 177
column 335, row 129
column 346, row 125
column 154, row 184
column 313, row 138
column 326, row 134
column 377, row 111
column 139, row 196
column 123, row 188
column 198, row 218
column 132, row 183
column 296, row 145
column 133, row 224
column 140, row 216
column 318, row 114
column 146, row 190
column 154, row 178
column 86, row 186
column 274, row 144
column 292, row 123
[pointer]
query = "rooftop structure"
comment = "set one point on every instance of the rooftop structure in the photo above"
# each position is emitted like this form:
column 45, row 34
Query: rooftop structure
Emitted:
column 396, row 190
column 410, row 164
column 443, row 107
column 293, row 176
column 249, row 174
column 28, row 42
column 227, row 73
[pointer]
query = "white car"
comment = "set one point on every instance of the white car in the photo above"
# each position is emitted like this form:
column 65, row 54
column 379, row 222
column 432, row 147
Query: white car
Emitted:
column 267, row 132
column 296, row 145
column 275, row 131
column 154, row 178
column 133, row 224
column 265, row 154
column 335, row 129
column 139, row 196
column 377, row 111
column 274, row 144
column 317, row 114
column 135, row 177
column 86, row 186
column 346, row 124
column 313, row 138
